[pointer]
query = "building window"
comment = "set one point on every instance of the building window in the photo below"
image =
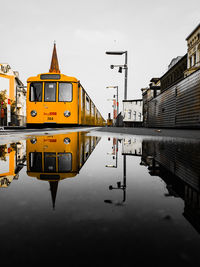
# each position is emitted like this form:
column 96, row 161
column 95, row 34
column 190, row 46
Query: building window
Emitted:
column 129, row 114
column 140, row 116
column 190, row 60
column 134, row 115
column 194, row 57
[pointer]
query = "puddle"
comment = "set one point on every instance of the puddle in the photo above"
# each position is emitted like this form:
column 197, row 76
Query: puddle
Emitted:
column 100, row 199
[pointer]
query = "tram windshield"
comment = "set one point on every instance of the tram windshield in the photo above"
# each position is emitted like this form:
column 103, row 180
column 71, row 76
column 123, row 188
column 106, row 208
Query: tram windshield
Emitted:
column 64, row 162
column 36, row 92
column 35, row 161
column 51, row 160
column 65, row 92
column 50, row 92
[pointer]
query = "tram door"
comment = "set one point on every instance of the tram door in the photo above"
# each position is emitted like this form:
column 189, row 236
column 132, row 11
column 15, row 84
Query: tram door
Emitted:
column 49, row 104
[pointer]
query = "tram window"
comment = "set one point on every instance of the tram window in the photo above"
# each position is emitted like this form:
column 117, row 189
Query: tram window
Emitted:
column 49, row 162
column 87, row 103
column 83, row 98
column 35, row 161
column 64, row 162
column 50, row 92
column 92, row 108
column 36, row 92
column 65, row 92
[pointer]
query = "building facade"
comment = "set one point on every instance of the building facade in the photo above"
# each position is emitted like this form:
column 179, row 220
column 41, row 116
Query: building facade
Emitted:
column 193, row 51
column 132, row 112
column 13, row 97
column 178, row 103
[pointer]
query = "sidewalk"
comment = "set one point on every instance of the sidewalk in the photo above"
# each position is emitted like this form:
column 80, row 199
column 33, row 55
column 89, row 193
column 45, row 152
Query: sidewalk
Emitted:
column 179, row 133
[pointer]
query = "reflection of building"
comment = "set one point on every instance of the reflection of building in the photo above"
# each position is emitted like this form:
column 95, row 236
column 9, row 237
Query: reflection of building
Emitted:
column 131, row 146
column 178, row 165
column 15, row 102
column 53, row 158
column 132, row 112
column 12, row 158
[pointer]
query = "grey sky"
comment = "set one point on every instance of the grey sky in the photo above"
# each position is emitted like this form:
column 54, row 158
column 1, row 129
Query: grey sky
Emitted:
column 153, row 32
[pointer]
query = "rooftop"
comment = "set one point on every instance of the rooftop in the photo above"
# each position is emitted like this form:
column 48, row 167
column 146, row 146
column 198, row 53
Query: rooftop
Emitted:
column 193, row 32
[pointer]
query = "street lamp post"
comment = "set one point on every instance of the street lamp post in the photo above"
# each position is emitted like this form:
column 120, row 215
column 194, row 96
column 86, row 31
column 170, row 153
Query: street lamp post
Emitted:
column 117, row 97
column 125, row 67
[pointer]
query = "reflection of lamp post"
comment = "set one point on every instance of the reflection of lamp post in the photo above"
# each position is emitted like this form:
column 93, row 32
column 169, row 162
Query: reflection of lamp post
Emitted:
column 120, row 185
column 115, row 152
column 117, row 97
column 125, row 67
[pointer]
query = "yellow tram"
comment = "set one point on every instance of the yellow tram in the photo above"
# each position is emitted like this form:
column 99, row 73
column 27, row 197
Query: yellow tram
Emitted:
column 56, row 99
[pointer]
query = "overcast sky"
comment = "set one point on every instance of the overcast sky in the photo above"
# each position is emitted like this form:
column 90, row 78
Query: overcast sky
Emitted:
column 153, row 32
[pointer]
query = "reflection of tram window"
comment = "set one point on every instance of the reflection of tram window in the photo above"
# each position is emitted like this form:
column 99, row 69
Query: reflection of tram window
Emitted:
column 35, row 161
column 50, row 92
column 64, row 162
column 92, row 142
column 81, row 155
column 87, row 146
column 49, row 162
column 65, row 92
column 36, row 92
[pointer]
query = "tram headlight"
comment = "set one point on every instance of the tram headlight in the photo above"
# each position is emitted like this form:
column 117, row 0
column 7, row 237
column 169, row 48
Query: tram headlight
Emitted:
column 33, row 113
column 67, row 113
column 66, row 140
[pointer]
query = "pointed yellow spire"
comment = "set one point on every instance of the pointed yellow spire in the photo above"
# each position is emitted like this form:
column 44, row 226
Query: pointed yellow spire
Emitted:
column 54, row 61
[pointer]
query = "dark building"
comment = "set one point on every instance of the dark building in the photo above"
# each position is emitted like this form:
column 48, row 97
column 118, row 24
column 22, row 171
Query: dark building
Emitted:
column 175, row 72
column 177, row 105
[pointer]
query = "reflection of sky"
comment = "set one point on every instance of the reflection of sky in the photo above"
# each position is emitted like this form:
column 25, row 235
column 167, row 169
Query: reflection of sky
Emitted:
column 147, row 220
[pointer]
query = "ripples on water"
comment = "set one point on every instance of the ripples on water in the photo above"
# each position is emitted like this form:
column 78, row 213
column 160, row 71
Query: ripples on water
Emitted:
column 100, row 199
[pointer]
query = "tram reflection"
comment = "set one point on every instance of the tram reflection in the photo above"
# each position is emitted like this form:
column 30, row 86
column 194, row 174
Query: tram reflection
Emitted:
column 57, row 157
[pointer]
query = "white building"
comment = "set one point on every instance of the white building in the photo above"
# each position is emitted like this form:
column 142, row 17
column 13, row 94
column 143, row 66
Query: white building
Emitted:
column 132, row 112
